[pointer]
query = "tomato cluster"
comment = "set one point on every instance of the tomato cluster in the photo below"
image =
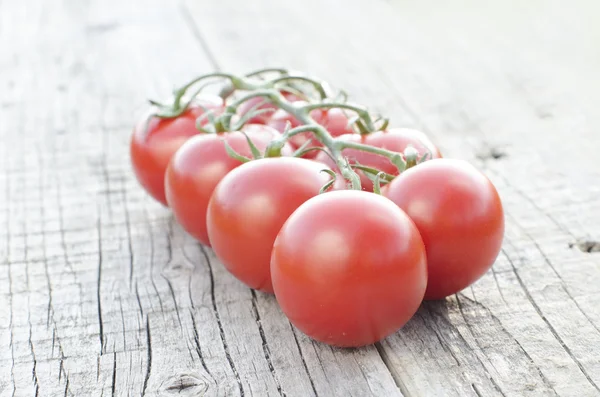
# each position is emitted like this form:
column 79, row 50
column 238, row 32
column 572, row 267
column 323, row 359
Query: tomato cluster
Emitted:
column 350, row 223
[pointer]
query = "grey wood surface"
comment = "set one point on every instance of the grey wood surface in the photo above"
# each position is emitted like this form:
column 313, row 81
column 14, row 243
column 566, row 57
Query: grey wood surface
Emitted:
column 101, row 293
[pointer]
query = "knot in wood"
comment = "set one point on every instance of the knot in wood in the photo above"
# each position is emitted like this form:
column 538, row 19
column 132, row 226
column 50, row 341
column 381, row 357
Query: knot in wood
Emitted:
column 185, row 384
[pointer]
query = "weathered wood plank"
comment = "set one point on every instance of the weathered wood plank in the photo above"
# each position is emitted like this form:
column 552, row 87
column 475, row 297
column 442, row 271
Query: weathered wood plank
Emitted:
column 486, row 79
column 106, row 294
column 101, row 293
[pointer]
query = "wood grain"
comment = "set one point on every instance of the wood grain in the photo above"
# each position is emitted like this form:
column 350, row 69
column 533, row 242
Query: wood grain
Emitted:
column 101, row 293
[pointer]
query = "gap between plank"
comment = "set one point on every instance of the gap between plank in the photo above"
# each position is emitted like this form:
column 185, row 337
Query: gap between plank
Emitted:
column 390, row 367
column 185, row 12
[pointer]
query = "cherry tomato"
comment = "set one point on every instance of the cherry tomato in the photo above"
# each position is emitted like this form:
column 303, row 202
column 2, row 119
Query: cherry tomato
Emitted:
column 154, row 142
column 199, row 165
column 280, row 118
column 349, row 268
column 340, row 183
column 334, row 120
column 262, row 118
column 249, row 207
column 396, row 139
column 459, row 215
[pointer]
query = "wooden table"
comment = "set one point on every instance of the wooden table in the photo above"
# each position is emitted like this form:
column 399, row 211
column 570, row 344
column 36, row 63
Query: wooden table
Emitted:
column 101, row 293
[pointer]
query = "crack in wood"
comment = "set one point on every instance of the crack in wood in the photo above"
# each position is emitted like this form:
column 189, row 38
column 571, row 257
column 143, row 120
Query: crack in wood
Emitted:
column 149, row 358
column 497, row 321
column 303, row 360
column 550, row 326
column 174, row 300
column 470, row 327
column 128, row 228
column 32, row 351
column 122, row 322
column 197, row 344
column 195, row 30
column 99, row 287
column 114, row 375
column 72, row 155
column 11, row 309
column 139, row 302
column 152, row 263
column 218, row 318
column 553, row 268
column 63, row 240
column 67, row 392
column 437, row 332
column 265, row 344
column 390, row 367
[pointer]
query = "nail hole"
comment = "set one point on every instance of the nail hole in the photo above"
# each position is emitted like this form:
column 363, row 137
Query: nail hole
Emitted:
column 102, row 28
column 492, row 153
column 588, row 246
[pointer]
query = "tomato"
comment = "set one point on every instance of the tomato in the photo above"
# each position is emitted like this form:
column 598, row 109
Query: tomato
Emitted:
column 334, row 120
column 349, row 268
column 459, row 215
column 396, row 139
column 249, row 207
column 340, row 183
column 199, row 165
column 280, row 118
column 262, row 118
column 154, row 142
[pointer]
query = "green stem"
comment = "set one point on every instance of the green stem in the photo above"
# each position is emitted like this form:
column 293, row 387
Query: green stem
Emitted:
column 322, row 135
column 268, row 94
column 298, row 130
column 258, row 72
column 179, row 93
column 359, row 110
column 366, row 148
column 394, row 157
column 302, row 114
column 317, row 85
column 271, row 92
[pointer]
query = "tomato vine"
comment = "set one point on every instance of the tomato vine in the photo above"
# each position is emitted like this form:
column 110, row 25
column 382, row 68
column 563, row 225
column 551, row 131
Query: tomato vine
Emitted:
column 304, row 194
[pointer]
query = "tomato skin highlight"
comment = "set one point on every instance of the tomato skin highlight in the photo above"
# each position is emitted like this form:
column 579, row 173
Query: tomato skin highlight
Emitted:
column 154, row 142
column 250, row 205
column 199, row 165
column 460, row 217
column 349, row 268
column 394, row 139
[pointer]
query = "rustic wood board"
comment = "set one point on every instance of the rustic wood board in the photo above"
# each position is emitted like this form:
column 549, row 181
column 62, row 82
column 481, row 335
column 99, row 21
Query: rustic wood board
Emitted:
column 101, row 293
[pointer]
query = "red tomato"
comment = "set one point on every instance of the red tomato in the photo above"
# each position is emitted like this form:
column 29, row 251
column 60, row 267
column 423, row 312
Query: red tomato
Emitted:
column 197, row 168
column 153, row 144
column 349, row 268
column 262, row 118
column 459, row 215
column 340, row 183
column 280, row 118
column 396, row 139
column 334, row 120
column 249, row 207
